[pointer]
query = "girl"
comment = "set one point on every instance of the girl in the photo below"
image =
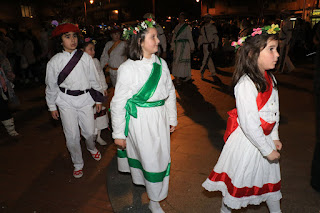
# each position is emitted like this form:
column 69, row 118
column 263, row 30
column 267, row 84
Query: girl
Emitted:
column 113, row 54
column 248, row 171
column 143, row 113
column 101, row 119
column 70, row 77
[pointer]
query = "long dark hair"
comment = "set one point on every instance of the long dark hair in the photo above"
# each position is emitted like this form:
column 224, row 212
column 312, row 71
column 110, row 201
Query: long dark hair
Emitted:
column 133, row 49
column 247, row 61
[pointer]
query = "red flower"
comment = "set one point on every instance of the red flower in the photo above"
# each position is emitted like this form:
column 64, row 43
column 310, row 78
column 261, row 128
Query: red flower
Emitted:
column 135, row 32
column 149, row 19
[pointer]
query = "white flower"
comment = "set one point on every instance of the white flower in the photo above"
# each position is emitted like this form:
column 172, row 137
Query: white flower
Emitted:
column 153, row 22
column 124, row 30
column 136, row 29
column 144, row 25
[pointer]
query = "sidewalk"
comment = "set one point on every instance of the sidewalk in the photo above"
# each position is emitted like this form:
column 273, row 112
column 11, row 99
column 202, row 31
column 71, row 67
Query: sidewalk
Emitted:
column 197, row 142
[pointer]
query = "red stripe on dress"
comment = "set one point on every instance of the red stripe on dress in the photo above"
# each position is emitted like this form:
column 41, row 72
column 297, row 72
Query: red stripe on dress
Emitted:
column 245, row 191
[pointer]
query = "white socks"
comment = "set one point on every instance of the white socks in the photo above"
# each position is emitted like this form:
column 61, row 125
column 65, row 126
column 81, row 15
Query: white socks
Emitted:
column 100, row 140
column 273, row 206
column 155, row 207
column 224, row 208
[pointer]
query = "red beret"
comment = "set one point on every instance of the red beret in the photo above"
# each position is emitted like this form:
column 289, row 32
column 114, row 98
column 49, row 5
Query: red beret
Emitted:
column 64, row 28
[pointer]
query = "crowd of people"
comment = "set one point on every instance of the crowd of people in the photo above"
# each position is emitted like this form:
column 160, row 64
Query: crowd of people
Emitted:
column 140, row 60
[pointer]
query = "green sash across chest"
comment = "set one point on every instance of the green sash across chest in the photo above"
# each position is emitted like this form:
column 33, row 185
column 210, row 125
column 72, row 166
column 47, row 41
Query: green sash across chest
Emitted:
column 145, row 93
column 183, row 42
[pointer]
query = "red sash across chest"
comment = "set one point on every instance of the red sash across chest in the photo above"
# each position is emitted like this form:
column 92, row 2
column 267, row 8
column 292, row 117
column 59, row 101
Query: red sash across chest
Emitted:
column 261, row 100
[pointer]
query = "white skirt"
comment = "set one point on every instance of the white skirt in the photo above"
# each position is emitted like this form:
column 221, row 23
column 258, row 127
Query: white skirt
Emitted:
column 147, row 155
column 243, row 175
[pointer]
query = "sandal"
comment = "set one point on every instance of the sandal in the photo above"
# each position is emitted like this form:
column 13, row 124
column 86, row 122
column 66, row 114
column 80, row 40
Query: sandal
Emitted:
column 96, row 156
column 77, row 173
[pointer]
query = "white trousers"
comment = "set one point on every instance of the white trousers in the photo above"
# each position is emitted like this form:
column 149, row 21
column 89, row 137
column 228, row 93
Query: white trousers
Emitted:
column 72, row 118
column 211, row 66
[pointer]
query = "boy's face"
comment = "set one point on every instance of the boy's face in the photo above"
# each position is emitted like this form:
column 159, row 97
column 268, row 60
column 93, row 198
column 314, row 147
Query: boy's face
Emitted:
column 115, row 36
column 69, row 41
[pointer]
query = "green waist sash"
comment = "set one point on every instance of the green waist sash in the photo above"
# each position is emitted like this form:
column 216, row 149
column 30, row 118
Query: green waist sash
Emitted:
column 144, row 94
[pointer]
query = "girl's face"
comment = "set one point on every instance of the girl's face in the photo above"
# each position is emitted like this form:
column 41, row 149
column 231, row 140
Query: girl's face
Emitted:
column 69, row 41
column 90, row 50
column 150, row 43
column 115, row 36
column 268, row 57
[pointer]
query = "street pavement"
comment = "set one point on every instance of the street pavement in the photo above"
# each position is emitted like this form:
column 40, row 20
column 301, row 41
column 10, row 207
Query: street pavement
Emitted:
column 36, row 169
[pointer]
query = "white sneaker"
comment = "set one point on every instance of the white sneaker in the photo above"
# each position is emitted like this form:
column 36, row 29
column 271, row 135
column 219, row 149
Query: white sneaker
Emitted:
column 13, row 133
column 96, row 156
column 77, row 173
column 101, row 141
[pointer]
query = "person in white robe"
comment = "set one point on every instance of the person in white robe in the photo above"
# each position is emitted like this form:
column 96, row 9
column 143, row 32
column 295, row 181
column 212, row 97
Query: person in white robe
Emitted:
column 182, row 45
column 209, row 39
column 113, row 54
column 146, row 138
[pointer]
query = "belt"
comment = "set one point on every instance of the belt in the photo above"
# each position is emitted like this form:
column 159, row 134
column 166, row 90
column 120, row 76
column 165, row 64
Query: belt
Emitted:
column 73, row 92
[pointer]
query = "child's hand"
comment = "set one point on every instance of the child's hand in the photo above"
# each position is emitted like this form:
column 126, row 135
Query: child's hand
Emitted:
column 98, row 107
column 55, row 114
column 105, row 92
column 278, row 144
column 274, row 155
column 172, row 128
column 121, row 143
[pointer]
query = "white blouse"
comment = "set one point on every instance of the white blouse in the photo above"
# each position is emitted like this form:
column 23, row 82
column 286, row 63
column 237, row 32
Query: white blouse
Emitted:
column 249, row 116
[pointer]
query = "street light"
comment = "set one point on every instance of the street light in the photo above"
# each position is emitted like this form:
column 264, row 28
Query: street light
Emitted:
column 91, row 1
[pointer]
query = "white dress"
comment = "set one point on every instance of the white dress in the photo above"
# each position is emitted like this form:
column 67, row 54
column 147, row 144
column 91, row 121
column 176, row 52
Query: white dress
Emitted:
column 148, row 141
column 101, row 122
column 245, row 174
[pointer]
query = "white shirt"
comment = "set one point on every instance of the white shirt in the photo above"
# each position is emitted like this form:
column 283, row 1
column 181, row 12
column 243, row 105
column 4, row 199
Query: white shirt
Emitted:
column 116, row 57
column 249, row 117
column 82, row 77
column 100, row 75
column 208, row 34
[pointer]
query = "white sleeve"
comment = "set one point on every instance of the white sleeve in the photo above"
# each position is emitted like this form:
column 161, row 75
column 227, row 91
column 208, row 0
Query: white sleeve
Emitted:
column 189, row 36
column 93, row 76
column 215, row 37
column 52, row 88
column 275, row 130
column 101, row 76
column 173, row 38
column 162, row 38
column 121, row 95
column 200, row 39
column 171, row 102
column 104, row 56
column 248, row 115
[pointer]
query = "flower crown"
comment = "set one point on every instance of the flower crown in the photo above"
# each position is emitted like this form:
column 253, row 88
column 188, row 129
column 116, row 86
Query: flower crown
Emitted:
column 90, row 40
column 128, row 32
column 273, row 29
